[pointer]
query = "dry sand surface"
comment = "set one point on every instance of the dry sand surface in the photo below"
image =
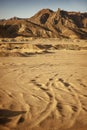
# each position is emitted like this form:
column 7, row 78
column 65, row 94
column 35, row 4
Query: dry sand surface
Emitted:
column 45, row 91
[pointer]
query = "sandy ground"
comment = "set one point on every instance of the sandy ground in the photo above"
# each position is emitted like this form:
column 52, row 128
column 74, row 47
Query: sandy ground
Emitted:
column 44, row 91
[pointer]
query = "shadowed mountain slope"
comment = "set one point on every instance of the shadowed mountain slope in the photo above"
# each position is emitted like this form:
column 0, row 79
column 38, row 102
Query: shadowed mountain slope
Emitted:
column 47, row 23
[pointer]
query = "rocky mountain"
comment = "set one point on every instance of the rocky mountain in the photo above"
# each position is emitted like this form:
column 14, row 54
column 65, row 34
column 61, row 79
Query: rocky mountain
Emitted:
column 47, row 23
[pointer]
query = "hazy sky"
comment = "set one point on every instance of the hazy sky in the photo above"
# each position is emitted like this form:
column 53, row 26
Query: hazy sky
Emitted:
column 27, row 8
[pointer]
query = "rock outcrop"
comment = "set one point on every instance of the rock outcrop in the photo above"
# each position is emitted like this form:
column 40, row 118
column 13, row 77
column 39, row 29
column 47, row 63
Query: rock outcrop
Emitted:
column 47, row 23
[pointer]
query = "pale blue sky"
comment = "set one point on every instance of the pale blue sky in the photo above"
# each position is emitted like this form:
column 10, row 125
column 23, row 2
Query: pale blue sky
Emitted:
column 27, row 8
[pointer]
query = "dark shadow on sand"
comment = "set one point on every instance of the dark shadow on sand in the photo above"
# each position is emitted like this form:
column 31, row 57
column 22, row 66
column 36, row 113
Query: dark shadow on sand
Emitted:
column 4, row 113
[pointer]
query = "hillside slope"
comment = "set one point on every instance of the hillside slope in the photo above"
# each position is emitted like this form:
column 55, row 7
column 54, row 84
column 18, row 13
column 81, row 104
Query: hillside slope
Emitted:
column 47, row 23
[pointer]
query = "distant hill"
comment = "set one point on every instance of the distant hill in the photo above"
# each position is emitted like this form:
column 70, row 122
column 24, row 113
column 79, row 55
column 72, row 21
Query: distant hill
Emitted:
column 47, row 23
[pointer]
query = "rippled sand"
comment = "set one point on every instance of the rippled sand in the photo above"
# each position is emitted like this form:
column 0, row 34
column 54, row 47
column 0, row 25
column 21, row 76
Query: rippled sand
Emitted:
column 44, row 91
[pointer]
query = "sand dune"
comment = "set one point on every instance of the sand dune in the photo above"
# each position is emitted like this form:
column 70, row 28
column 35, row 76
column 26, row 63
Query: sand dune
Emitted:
column 44, row 92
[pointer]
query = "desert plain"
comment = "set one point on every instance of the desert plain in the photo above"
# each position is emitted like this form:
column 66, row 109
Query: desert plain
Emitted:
column 43, row 84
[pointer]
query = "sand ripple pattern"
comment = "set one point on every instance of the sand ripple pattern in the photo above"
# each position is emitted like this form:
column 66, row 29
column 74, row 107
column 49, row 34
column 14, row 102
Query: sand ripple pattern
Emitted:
column 32, row 104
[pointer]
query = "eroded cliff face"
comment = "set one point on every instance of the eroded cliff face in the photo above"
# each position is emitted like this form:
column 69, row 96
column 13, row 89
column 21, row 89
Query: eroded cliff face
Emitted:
column 47, row 23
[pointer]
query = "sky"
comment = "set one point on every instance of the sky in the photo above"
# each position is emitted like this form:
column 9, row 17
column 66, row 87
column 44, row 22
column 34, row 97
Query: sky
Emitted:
column 27, row 8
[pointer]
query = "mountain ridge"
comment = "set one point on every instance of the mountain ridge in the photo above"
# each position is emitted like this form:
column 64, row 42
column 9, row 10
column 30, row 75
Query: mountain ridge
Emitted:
column 47, row 23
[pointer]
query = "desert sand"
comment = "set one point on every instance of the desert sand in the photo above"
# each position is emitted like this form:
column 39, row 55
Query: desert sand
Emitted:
column 46, row 89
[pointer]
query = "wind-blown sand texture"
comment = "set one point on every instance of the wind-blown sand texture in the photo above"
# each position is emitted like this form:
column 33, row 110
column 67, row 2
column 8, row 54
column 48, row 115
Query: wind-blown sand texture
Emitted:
column 46, row 91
